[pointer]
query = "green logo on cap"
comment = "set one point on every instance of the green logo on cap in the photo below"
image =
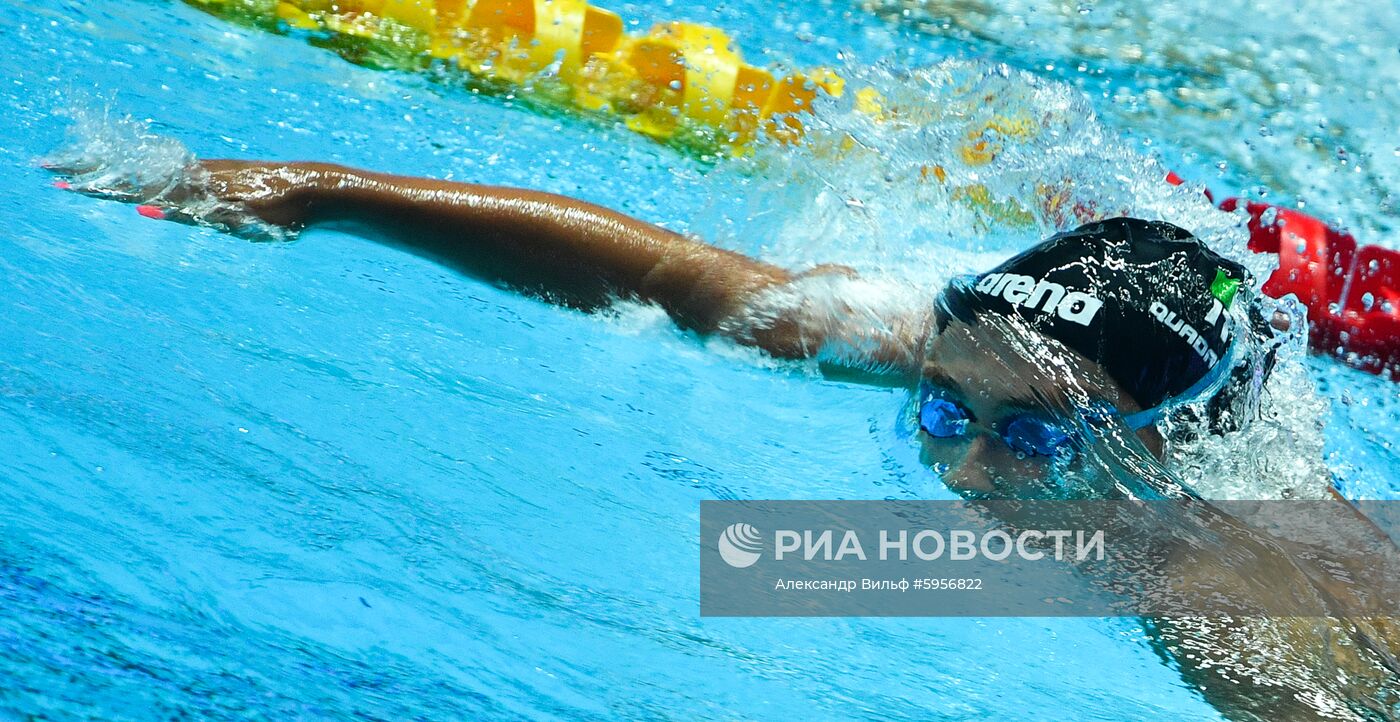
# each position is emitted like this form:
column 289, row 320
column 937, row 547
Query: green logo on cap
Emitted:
column 1224, row 287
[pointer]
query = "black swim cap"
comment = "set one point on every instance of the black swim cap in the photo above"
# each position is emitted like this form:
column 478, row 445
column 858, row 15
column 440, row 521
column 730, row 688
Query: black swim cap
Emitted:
column 1145, row 299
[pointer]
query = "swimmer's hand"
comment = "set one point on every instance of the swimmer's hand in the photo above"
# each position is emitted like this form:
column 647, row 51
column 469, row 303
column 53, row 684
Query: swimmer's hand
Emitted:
column 239, row 196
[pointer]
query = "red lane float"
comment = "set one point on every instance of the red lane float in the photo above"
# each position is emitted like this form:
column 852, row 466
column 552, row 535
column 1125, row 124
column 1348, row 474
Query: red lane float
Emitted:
column 1352, row 294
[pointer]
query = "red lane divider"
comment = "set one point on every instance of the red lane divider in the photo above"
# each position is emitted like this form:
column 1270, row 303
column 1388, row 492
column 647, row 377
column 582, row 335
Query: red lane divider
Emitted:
column 1352, row 294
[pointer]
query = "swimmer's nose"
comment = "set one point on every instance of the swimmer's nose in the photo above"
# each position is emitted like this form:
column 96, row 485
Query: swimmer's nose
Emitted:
column 976, row 470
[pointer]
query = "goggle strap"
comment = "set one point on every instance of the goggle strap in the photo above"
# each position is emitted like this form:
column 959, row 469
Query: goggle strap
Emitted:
column 1147, row 417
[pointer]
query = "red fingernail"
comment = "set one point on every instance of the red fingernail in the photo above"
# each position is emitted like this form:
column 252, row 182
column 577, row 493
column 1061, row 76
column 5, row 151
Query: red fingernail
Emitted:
column 151, row 212
column 63, row 185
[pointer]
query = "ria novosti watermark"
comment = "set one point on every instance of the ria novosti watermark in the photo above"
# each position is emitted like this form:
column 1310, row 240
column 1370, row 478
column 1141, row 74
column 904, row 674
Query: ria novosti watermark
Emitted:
column 958, row 558
column 740, row 544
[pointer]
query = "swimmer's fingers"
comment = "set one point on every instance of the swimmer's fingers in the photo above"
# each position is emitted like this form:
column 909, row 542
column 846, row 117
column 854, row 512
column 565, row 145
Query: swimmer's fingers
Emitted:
column 70, row 166
column 102, row 183
column 105, row 192
column 232, row 196
column 229, row 218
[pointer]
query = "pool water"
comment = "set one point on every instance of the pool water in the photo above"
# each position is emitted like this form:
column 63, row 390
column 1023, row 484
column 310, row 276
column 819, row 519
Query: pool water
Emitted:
column 329, row 479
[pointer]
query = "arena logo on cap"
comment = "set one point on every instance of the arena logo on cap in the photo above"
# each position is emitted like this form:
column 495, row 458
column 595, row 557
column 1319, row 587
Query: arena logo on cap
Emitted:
column 1042, row 295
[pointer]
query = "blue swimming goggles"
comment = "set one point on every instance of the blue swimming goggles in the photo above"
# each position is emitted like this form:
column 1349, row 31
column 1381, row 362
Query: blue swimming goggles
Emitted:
column 1027, row 434
column 1033, row 435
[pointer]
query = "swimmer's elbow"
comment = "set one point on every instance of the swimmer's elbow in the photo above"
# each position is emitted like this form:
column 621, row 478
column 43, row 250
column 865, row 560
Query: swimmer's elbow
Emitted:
column 768, row 313
column 705, row 288
column 790, row 316
column 784, row 338
column 831, row 315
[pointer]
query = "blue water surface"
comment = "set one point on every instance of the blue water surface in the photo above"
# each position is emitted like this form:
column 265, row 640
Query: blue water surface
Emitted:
column 329, row 479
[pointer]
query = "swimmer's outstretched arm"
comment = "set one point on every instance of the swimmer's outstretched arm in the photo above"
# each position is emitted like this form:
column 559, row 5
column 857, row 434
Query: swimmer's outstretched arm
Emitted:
column 573, row 252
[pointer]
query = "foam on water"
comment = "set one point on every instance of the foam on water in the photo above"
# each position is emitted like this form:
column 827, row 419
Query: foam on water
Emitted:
column 960, row 158
column 1300, row 98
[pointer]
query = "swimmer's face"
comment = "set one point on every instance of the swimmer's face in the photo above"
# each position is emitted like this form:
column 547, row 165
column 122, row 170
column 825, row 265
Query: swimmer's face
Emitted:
column 1004, row 382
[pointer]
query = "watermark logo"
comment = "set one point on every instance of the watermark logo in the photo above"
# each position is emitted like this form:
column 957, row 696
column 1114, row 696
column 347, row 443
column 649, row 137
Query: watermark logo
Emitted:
column 740, row 545
column 1093, row 558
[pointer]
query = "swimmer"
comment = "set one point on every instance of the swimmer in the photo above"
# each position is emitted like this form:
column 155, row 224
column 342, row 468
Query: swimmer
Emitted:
column 1022, row 373
column 1135, row 311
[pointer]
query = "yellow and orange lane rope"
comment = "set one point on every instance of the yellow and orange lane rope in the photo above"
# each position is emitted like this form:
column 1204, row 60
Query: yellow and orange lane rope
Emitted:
column 679, row 82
